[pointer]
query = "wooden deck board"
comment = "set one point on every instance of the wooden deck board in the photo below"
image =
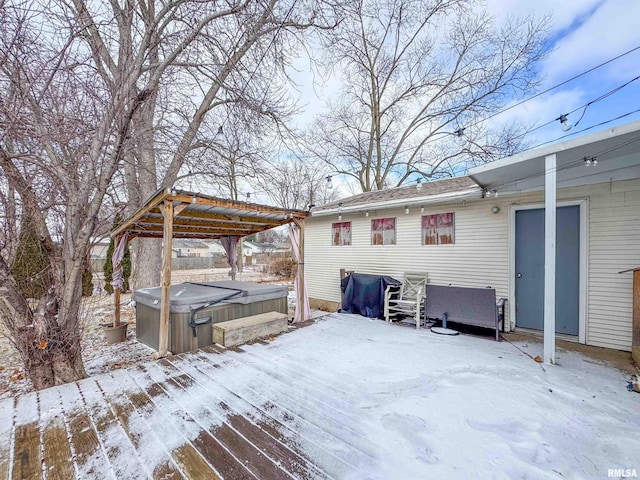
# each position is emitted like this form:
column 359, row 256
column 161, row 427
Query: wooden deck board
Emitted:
column 89, row 456
column 183, row 453
column 324, row 443
column 311, row 405
column 26, row 456
column 183, row 417
column 264, row 434
column 209, row 448
column 263, row 455
column 57, row 454
column 6, row 437
column 117, row 446
column 141, row 435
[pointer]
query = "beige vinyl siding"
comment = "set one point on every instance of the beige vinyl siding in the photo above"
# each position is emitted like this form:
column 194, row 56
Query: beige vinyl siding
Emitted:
column 614, row 245
column 474, row 260
column 480, row 256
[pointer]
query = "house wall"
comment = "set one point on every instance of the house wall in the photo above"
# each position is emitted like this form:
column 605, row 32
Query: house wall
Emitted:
column 480, row 255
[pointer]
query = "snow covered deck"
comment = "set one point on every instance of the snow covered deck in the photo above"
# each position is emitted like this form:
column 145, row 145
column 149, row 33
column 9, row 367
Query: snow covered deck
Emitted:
column 347, row 397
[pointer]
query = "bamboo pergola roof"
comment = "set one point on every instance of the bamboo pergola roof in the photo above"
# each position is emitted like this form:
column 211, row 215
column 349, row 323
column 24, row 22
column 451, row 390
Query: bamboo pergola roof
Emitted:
column 201, row 216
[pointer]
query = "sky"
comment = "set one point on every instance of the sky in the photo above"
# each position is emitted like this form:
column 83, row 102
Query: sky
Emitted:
column 584, row 33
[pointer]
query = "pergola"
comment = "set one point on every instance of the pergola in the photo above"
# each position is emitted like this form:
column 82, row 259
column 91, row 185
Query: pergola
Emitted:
column 171, row 213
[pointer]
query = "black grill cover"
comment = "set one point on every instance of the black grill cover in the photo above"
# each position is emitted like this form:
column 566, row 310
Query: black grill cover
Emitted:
column 364, row 293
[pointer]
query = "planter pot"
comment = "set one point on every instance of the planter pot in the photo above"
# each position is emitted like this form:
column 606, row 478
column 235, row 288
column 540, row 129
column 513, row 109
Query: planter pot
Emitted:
column 115, row 334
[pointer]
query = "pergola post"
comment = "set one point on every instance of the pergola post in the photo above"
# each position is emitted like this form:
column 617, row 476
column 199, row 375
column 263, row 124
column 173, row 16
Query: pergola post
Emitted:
column 116, row 296
column 549, row 352
column 167, row 241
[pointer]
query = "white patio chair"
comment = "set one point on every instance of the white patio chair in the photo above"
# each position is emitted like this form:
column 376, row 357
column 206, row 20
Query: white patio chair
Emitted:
column 409, row 301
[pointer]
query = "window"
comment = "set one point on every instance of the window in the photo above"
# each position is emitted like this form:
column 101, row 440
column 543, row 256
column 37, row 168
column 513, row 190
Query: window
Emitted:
column 341, row 233
column 438, row 229
column 383, row 231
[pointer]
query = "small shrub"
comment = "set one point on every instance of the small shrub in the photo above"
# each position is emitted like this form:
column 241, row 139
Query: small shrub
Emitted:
column 31, row 267
column 87, row 279
column 108, row 265
column 282, row 267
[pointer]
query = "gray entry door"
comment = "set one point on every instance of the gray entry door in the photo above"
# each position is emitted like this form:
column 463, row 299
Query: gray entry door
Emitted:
column 530, row 269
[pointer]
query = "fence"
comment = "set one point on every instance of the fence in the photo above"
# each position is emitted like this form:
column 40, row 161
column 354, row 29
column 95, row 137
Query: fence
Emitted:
column 180, row 263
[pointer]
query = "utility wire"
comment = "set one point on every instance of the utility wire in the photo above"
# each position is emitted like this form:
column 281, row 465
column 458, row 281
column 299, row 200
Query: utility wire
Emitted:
column 575, row 77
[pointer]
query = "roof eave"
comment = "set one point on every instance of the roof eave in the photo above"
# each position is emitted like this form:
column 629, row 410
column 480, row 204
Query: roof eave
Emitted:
column 469, row 192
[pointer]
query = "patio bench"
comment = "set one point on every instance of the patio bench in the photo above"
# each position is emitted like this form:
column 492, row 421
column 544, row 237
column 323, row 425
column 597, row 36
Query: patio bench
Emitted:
column 242, row 330
column 468, row 306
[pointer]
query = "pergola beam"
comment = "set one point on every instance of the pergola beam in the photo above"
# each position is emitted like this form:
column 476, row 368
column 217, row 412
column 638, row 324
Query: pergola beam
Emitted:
column 230, row 225
column 234, row 205
column 219, row 217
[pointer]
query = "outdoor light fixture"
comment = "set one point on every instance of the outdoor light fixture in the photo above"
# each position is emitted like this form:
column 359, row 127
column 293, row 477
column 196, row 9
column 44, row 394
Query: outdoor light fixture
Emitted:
column 193, row 199
column 366, row 214
column 421, row 209
column 495, row 193
column 495, row 209
column 590, row 161
column 406, row 209
column 460, row 138
column 339, row 208
column 329, row 184
column 565, row 124
column 418, row 183
column 487, row 193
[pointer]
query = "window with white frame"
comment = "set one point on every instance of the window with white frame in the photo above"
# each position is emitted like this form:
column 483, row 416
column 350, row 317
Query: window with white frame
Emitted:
column 438, row 229
column 383, row 231
column 341, row 233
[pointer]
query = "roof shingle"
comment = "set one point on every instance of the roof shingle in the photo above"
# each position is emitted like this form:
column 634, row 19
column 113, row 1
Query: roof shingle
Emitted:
column 408, row 192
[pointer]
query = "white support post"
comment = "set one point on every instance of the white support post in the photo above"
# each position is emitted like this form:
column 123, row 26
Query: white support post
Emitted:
column 550, row 259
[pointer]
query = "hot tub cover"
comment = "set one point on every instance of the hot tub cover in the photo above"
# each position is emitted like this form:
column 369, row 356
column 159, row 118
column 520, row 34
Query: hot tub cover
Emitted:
column 185, row 297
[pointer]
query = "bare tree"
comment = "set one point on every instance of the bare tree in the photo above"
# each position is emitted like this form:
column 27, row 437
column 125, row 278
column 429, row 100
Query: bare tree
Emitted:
column 80, row 84
column 62, row 140
column 294, row 182
column 197, row 58
column 416, row 76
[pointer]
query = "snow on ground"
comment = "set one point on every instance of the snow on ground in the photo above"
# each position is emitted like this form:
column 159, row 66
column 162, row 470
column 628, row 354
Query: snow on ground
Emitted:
column 413, row 404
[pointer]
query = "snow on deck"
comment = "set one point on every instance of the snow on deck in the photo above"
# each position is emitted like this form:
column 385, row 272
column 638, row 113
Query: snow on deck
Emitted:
column 346, row 397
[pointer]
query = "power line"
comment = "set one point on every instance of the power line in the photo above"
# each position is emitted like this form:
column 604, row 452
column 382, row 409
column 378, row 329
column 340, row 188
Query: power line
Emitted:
column 575, row 77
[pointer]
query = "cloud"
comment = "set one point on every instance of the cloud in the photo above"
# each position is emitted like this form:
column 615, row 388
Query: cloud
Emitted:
column 611, row 30
column 563, row 14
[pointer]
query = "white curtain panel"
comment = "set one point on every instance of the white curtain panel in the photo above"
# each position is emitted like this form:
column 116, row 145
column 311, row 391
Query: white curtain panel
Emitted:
column 116, row 260
column 230, row 245
column 294, row 234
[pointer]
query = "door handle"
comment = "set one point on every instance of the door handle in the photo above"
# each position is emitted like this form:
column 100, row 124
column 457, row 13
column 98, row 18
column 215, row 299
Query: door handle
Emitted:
column 519, row 275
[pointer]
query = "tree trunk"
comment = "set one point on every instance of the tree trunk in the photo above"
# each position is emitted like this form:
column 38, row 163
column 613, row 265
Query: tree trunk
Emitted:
column 51, row 355
column 146, row 263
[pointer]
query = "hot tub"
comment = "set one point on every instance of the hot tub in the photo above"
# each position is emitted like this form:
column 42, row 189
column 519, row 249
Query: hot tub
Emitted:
column 194, row 307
